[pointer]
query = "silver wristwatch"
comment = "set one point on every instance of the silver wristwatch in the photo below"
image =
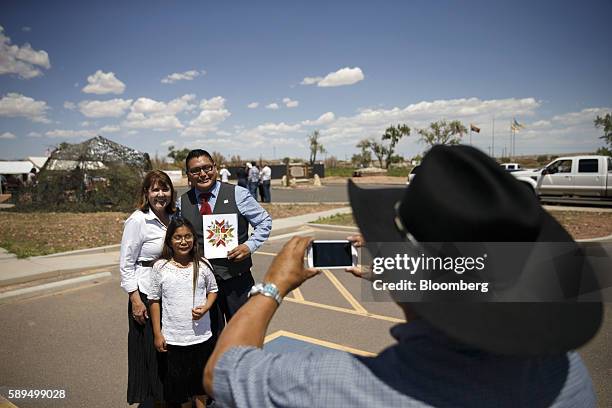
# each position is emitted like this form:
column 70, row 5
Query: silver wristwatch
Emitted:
column 266, row 289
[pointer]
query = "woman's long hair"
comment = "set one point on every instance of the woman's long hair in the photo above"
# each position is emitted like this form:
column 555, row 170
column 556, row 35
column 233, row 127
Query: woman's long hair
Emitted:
column 152, row 178
column 168, row 253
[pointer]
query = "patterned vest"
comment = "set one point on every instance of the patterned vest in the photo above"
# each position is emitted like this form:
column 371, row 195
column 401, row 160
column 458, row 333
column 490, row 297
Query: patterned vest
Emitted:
column 224, row 268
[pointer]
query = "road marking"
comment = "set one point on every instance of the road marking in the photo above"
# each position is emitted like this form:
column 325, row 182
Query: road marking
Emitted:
column 4, row 403
column 344, row 292
column 297, row 294
column 345, row 310
column 291, row 234
column 312, row 340
column 265, row 253
column 53, row 285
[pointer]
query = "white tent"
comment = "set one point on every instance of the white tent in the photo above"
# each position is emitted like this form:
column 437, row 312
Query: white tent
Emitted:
column 15, row 167
column 38, row 161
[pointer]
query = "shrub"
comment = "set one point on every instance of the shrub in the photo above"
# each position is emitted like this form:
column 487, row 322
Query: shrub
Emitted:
column 112, row 189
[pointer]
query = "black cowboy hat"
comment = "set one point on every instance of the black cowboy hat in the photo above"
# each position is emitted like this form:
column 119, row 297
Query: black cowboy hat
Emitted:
column 462, row 195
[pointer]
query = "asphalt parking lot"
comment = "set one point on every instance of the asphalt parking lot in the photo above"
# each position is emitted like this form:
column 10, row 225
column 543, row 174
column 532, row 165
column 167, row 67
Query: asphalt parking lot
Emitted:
column 76, row 339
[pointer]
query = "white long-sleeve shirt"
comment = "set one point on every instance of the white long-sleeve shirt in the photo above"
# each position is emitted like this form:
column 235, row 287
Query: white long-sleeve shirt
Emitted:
column 143, row 240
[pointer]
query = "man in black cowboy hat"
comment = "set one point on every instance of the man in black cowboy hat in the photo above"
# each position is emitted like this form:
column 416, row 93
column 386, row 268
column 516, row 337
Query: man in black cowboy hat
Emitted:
column 491, row 351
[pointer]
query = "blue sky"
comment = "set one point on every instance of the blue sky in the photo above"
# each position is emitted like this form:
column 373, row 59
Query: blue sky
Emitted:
column 149, row 74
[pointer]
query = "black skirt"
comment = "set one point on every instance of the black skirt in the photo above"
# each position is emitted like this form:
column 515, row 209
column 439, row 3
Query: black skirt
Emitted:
column 145, row 365
column 186, row 370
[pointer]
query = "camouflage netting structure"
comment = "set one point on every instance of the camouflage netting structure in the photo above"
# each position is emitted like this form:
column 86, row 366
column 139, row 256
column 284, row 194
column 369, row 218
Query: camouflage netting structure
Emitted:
column 95, row 175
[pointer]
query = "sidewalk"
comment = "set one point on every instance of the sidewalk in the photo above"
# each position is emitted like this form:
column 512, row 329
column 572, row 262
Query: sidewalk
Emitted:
column 15, row 271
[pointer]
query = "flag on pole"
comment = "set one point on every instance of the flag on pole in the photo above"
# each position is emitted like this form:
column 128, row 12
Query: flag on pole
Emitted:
column 474, row 128
column 516, row 126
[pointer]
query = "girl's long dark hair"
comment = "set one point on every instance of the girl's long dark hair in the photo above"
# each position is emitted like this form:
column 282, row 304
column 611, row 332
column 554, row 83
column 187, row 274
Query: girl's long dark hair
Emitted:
column 168, row 253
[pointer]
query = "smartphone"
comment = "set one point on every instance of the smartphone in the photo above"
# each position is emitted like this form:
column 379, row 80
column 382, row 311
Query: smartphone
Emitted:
column 331, row 254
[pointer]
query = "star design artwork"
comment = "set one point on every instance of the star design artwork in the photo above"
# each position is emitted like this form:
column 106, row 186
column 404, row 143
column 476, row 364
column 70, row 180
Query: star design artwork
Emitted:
column 219, row 232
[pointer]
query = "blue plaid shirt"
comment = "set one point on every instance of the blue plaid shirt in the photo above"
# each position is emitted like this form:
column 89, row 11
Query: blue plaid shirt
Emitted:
column 425, row 368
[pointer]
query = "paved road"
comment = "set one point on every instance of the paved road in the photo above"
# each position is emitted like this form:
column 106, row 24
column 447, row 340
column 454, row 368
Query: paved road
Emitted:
column 76, row 339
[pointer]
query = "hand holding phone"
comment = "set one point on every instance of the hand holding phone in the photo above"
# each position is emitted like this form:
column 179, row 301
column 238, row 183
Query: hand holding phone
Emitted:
column 330, row 254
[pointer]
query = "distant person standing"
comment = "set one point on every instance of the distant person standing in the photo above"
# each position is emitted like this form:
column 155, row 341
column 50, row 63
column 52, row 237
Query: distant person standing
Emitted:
column 224, row 173
column 265, row 177
column 253, row 179
column 32, row 179
column 241, row 175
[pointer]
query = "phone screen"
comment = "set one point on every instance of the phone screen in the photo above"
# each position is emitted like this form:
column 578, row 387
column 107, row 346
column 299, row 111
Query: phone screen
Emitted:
column 329, row 254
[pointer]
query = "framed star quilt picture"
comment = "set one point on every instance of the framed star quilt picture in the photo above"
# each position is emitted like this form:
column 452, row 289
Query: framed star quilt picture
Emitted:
column 220, row 234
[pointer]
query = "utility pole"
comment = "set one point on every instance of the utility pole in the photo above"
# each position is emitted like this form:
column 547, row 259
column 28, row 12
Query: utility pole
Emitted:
column 493, row 138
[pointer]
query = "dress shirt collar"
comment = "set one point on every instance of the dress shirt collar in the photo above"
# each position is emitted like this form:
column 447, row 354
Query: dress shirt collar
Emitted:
column 150, row 216
column 214, row 191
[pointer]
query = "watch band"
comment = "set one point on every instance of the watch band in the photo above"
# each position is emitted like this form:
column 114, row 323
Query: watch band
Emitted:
column 267, row 289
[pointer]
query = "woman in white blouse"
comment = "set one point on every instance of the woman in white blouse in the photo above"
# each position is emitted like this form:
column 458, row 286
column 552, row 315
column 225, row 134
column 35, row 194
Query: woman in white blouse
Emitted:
column 141, row 245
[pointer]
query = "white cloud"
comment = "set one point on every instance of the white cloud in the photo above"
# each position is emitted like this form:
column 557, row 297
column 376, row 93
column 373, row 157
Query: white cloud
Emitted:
column 112, row 108
column 277, row 128
column 290, row 103
column 223, row 133
column 86, row 123
column 70, row 133
column 155, row 122
column 182, row 76
column 167, row 143
column 17, row 105
column 311, row 80
column 34, row 134
column 23, row 61
column 7, row 136
column 103, row 83
column 69, row 105
column 212, row 115
column 109, row 129
column 324, row 119
column 148, row 113
column 253, row 105
column 273, row 106
column 26, row 29
column 344, row 76
column 218, row 102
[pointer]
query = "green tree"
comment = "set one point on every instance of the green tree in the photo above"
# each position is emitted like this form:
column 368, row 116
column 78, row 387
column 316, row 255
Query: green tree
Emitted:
column 315, row 146
column 178, row 156
column 379, row 150
column 605, row 122
column 443, row 132
column 364, row 158
column 393, row 134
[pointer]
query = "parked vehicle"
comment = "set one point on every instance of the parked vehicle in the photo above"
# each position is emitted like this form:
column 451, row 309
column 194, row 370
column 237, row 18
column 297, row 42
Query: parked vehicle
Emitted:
column 412, row 173
column 576, row 178
column 511, row 166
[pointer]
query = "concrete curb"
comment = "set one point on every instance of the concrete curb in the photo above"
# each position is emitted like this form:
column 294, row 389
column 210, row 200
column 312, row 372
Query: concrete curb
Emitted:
column 53, row 275
column 331, row 227
column 87, row 251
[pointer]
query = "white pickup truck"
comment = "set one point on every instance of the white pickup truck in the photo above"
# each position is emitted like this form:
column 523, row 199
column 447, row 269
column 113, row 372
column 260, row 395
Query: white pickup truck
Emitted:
column 573, row 179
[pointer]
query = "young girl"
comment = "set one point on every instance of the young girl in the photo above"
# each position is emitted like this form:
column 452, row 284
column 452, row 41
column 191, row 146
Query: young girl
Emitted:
column 184, row 282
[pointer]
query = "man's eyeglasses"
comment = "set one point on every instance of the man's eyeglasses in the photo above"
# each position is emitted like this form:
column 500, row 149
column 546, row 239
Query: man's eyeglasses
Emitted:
column 179, row 238
column 197, row 170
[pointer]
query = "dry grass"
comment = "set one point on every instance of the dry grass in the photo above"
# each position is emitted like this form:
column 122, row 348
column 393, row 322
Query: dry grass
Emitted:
column 31, row 234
